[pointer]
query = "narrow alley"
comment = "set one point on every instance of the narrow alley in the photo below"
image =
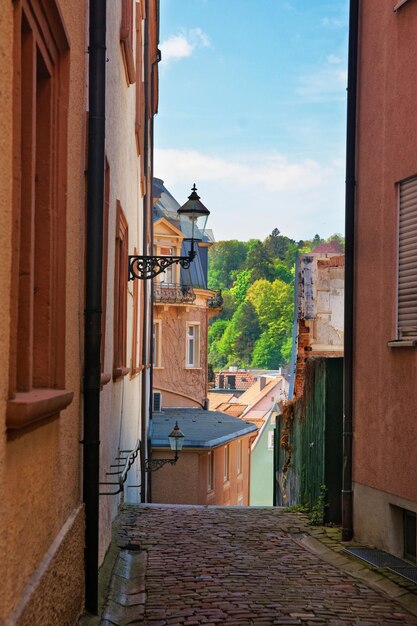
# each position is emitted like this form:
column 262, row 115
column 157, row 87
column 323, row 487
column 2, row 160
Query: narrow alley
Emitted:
column 240, row 566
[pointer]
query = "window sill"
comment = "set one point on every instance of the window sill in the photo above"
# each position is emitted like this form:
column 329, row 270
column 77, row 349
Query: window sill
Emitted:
column 402, row 343
column 119, row 372
column 188, row 367
column 32, row 406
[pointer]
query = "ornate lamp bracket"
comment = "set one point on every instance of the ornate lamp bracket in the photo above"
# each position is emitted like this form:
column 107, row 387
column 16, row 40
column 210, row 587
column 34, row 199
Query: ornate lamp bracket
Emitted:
column 156, row 464
column 144, row 267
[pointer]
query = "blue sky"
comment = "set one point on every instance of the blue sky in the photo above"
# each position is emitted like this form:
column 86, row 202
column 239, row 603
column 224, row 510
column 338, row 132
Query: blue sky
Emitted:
column 253, row 110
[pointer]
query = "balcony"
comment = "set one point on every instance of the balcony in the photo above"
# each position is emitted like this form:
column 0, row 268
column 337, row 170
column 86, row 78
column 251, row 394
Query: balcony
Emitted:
column 216, row 301
column 173, row 293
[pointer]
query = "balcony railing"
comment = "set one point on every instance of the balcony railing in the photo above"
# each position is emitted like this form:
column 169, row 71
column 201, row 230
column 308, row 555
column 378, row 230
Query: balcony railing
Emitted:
column 174, row 293
column 216, row 301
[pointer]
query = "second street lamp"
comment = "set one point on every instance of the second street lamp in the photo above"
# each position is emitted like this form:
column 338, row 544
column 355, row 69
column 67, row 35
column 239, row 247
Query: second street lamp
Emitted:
column 193, row 218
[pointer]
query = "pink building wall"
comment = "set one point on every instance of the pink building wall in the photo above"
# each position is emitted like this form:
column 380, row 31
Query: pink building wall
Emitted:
column 385, row 393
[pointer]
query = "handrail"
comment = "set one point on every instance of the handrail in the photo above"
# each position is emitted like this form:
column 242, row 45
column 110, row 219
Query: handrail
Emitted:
column 173, row 292
column 129, row 460
column 216, row 301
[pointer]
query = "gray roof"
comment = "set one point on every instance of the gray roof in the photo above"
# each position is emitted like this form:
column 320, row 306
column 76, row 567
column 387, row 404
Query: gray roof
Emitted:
column 202, row 429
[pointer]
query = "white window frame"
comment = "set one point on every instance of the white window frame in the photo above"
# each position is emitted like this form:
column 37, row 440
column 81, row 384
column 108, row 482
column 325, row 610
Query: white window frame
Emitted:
column 226, row 464
column 210, row 471
column 156, row 343
column 192, row 350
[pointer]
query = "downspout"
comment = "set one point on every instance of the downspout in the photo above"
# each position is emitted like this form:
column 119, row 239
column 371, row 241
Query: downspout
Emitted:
column 147, row 314
column 93, row 293
column 347, row 490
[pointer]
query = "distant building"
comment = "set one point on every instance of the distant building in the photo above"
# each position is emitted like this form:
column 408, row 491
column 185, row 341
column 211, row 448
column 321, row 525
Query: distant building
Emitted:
column 214, row 465
column 319, row 311
column 233, row 378
column 182, row 307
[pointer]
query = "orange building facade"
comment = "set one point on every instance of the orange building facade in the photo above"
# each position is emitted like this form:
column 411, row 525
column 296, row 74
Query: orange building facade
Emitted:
column 385, row 301
column 43, row 140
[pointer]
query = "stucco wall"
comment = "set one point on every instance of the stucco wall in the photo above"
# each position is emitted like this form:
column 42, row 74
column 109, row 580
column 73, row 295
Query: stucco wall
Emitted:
column 40, row 464
column 385, row 394
column 120, row 410
column 189, row 384
column 187, row 481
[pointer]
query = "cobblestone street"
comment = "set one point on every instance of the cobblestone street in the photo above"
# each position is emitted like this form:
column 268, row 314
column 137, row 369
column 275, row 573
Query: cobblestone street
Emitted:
column 239, row 566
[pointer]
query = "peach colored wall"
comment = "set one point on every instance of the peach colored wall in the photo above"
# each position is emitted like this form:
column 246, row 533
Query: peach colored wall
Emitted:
column 121, row 398
column 41, row 521
column 385, row 394
column 189, row 384
column 186, row 482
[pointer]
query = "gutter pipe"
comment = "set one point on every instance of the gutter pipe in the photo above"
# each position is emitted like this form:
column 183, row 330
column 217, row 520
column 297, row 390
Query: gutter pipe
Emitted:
column 347, row 487
column 93, row 291
column 146, row 399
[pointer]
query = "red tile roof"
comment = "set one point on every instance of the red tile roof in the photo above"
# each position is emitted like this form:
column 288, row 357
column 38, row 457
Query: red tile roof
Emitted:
column 332, row 247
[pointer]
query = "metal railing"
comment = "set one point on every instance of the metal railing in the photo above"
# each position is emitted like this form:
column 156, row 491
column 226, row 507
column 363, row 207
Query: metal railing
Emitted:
column 121, row 470
column 216, row 301
column 173, row 292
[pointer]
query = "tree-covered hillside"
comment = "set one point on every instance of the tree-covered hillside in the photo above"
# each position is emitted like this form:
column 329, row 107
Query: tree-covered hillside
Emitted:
column 254, row 328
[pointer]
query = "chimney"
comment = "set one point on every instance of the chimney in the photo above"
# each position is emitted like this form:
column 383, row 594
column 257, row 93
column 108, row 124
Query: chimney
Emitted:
column 262, row 382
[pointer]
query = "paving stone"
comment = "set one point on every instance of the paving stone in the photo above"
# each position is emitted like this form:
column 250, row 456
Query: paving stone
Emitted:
column 237, row 566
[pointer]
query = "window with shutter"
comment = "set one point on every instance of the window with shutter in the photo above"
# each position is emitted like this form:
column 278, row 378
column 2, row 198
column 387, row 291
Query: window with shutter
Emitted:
column 407, row 260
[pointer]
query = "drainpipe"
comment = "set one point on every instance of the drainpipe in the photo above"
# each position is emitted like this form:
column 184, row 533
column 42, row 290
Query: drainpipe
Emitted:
column 147, row 316
column 347, row 491
column 93, row 289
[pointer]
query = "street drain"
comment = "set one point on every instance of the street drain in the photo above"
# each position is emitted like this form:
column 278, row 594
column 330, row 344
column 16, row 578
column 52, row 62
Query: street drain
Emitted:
column 380, row 558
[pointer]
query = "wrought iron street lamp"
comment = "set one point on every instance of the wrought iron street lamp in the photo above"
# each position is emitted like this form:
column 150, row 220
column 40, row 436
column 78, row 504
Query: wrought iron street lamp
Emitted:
column 176, row 441
column 193, row 218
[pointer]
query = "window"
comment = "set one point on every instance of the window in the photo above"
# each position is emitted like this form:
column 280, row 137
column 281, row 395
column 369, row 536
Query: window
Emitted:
column 409, row 524
column 226, row 464
column 137, row 319
column 156, row 343
column 168, row 276
column 193, row 345
column 126, row 40
column 156, row 401
column 231, row 382
column 407, row 260
column 120, row 294
column 239, row 456
column 210, row 471
column 37, row 354
column 140, row 85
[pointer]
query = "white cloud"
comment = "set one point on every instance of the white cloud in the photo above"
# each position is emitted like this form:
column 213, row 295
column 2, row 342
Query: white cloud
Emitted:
column 333, row 22
column 184, row 44
column 333, row 59
column 248, row 196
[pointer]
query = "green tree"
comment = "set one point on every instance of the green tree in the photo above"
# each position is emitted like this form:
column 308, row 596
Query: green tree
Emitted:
column 246, row 331
column 241, row 285
column 224, row 258
column 282, row 272
column 266, row 353
column 260, row 263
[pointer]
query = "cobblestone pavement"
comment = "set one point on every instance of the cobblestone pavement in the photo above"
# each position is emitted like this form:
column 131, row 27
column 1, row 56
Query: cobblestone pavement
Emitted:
column 235, row 566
